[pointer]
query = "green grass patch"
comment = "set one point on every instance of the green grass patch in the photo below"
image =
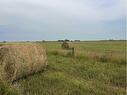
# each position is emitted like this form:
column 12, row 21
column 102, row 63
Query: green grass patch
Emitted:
column 93, row 71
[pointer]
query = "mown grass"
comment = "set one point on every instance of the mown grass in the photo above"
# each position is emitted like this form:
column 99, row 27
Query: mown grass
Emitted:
column 85, row 74
column 6, row 89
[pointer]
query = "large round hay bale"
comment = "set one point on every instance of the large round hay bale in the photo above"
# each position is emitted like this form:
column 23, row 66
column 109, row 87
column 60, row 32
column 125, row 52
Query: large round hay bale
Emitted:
column 17, row 61
column 65, row 45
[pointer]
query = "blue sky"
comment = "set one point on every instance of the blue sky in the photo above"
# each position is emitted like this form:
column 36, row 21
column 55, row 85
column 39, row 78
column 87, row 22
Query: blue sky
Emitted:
column 61, row 19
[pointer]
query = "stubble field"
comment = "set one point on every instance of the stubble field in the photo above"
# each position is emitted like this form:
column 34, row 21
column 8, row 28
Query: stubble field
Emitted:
column 98, row 68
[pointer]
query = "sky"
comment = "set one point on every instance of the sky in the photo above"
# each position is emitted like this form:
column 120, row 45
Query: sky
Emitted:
column 22, row 20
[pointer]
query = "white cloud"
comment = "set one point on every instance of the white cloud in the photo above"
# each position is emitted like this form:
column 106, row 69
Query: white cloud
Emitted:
column 69, row 17
column 93, row 10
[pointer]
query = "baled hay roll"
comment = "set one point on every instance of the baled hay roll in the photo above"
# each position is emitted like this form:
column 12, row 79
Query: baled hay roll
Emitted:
column 17, row 61
column 65, row 45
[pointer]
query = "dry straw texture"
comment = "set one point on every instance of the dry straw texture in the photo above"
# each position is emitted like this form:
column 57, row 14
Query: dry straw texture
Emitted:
column 65, row 45
column 17, row 61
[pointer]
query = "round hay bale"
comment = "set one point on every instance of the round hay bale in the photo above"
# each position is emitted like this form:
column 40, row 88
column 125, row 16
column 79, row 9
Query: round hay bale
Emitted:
column 17, row 61
column 65, row 45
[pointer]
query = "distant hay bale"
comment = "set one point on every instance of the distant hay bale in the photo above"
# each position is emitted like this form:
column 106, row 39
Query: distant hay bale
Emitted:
column 69, row 48
column 17, row 61
column 65, row 45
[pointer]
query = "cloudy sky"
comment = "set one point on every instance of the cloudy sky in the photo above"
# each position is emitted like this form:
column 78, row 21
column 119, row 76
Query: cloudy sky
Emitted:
column 60, row 19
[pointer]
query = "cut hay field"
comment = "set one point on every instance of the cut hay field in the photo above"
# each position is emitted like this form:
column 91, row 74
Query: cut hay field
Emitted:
column 98, row 68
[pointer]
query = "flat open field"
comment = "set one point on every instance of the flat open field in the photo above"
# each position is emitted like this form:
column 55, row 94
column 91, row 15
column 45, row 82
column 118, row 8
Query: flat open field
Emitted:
column 98, row 68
